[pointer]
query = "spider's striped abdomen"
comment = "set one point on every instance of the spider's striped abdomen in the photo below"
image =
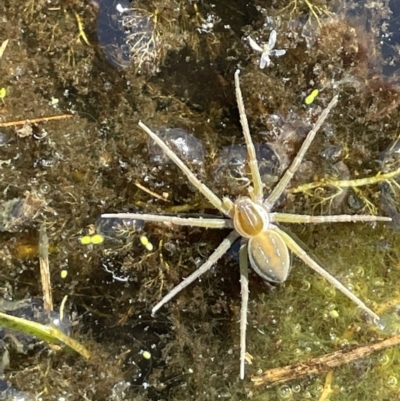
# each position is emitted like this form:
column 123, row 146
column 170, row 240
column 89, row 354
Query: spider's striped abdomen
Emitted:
column 269, row 256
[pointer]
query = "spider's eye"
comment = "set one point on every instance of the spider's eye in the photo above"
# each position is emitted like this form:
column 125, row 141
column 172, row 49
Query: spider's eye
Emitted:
column 249, row 218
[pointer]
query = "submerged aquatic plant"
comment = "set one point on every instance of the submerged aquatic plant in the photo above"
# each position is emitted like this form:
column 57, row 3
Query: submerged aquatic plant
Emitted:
column 128, row 36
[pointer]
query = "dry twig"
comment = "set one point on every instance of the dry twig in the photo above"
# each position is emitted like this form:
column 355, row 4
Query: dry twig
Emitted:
column 321, row 364
column 152, row 193
column 45, row 269
column 35, row 120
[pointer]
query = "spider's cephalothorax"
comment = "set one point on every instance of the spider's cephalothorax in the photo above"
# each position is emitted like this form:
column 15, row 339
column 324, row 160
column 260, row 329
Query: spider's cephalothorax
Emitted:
column 265, row 244
column 249, row 218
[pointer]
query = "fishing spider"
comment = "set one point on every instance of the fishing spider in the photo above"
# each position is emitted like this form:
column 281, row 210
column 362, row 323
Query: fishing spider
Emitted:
column 251, row 217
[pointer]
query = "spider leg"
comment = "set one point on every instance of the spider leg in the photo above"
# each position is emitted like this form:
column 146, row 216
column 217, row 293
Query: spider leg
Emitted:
column 244, row 285
column 214, row 257
column 179, row 221
column 224, row 207
column 298, row 251
column 284, row 181
column 341, row 218
column 251, row 152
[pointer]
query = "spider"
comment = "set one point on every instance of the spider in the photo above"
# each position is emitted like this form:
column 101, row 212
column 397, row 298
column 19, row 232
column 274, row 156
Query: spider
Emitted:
column 264, row 244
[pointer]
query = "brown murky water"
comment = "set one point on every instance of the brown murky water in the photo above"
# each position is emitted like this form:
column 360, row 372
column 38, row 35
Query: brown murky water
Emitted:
column 98, row 161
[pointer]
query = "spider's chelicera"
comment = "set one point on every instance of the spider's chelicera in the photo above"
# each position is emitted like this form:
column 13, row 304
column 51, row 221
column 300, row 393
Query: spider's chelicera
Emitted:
column 264, row 244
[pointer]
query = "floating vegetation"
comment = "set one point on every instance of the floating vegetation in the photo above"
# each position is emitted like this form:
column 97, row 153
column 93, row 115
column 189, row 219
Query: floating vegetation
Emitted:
column 98, row 161
column 128, row 36
column 390, row 188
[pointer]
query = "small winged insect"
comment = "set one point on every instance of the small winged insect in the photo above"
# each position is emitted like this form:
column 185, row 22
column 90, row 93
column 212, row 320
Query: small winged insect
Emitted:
column 264, row 243
column 267, row 49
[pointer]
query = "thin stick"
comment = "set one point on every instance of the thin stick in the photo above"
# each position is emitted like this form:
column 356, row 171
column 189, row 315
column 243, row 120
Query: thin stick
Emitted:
column 284, row 181
column 45, row 269
column 251, row 152
column 341, row 218
column 298, row 251
column 244, row 285
column 179, row 221
column 214, row 257
column 35, row 120
column 214, row 200
column 321, row 364
column 150, row 192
